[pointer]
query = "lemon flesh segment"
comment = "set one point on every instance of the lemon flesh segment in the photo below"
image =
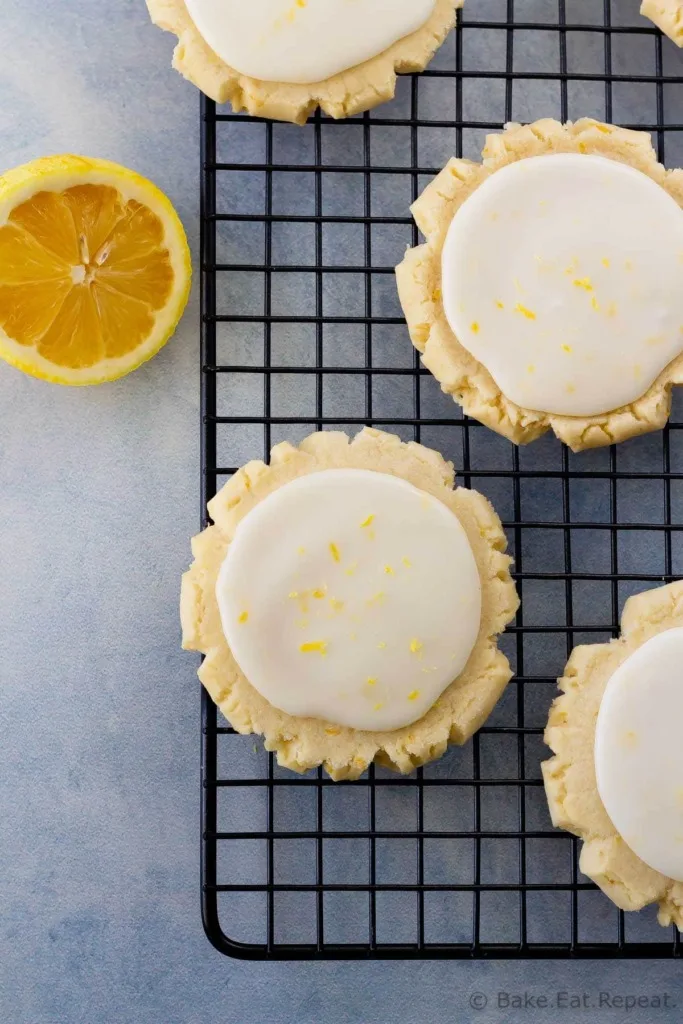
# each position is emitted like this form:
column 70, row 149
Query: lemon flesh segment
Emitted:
column 93, row 276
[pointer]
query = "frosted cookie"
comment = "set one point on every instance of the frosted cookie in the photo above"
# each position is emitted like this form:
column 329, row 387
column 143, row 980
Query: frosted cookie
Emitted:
column 283, row 58
column 348, row 601
column 667, row 16
column 616, row 779
column 548, row 294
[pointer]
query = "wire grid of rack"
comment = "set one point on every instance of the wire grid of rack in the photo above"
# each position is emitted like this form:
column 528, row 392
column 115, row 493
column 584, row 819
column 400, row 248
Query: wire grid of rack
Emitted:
column 301, row 330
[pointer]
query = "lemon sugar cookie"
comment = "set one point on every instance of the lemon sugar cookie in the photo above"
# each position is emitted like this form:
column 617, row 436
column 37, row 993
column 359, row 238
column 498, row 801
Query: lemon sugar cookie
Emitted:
column 348, row 601
column 283, row 58
column 667, row 16
column 548, row 294
column 616, row 779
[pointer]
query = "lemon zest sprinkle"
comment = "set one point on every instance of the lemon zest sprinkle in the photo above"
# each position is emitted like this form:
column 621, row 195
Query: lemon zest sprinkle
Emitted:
column 293, row 594
column 243, row 617
column 351, row 569
column 319, row 593
column 371, row 680
column 413, row 695
column 314, row 647
column 595, row 304
column 531, row 368
column 605, row 261
column 301, row 551
column 528, row 313
column 474, row 327
column 566, row 348
column 336, row 604
column 499, row 304
column 381, row 645
column 367, row 522
column 415, row 646
column 378, row 707
column 583, row 282
column 406, row 561
column 388, row 570
column 334, row 551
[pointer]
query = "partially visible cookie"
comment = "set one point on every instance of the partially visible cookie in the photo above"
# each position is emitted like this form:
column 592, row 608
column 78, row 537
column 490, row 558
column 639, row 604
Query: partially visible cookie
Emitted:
column 348, row 600
column 611, row 734
column 667, row 15
column 524, row 317
column 344, row 94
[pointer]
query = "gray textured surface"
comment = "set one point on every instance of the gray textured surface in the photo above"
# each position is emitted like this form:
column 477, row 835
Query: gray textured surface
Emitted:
column 98, row 496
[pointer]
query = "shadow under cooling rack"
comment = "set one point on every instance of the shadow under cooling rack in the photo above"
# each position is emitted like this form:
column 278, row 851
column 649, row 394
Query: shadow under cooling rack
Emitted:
column 301, row 329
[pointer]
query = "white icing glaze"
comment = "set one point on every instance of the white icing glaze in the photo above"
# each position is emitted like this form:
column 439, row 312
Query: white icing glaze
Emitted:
column 563, row 276
column 304, row 41
column 351, row 596
column 638, row 759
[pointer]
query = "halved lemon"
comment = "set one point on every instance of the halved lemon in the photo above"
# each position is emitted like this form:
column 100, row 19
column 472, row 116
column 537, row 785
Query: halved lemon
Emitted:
column 94, row 269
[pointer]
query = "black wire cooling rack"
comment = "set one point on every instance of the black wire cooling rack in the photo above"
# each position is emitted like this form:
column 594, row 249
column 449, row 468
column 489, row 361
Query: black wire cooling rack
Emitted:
column 301, row 330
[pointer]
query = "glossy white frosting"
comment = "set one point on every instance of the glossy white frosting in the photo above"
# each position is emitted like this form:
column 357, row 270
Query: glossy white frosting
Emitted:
column 638, row 752
column 563, row 276
column 304, row 41
column 350, row 596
